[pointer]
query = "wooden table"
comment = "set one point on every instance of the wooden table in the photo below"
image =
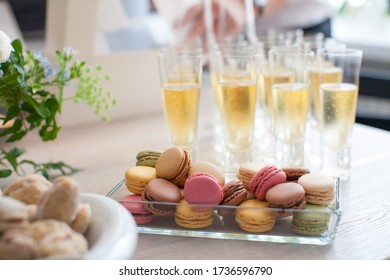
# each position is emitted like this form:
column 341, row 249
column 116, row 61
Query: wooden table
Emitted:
column 106, row 150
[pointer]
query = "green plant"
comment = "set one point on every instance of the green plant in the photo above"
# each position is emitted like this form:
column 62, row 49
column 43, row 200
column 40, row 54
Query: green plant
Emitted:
column 32, row 94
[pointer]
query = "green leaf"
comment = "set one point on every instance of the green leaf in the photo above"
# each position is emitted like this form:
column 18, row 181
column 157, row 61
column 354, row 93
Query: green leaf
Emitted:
column 5, row 173
column 44, row 173
column 42, row 93
column 28, row 108
column 26, row 161
column 16, row 152
column 41, row 110
column 13, row 129
column 12, row 112
column 34, row 120
column 36, row 88
column 17, row 45
column 12, row 160
column 20, row 70
column 16, row 136
column 49, row 131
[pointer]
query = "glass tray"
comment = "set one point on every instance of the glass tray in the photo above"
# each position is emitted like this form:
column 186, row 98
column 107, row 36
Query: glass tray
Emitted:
column 225, row 227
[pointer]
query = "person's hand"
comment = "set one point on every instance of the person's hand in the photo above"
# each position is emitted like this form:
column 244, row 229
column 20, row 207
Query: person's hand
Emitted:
column 228, row 19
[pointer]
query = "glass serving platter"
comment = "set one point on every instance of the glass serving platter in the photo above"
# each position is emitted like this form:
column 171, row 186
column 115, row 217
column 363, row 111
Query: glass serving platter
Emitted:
column 226, row 227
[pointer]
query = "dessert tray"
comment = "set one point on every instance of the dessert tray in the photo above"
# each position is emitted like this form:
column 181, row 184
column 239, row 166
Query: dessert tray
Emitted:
column 226, row 227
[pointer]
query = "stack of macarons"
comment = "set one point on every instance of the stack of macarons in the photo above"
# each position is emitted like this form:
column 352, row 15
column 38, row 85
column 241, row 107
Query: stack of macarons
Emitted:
column 156, row 177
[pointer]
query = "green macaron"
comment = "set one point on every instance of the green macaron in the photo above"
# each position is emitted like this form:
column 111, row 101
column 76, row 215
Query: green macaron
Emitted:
column 312, row 221
column 148, row 158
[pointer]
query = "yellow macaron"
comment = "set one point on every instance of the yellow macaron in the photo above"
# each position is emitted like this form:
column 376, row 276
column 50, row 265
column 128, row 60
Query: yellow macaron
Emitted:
column 187, row 217
column 137, row 178
column 253, row 217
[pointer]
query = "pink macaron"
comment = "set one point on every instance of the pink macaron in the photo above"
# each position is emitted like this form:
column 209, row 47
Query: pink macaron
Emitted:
column 266, row 178
column 134, row 204
column 202, row 188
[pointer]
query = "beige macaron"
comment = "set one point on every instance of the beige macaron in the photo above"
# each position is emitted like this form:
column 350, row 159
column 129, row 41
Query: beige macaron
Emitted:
column 247, row 170
column 319, row 188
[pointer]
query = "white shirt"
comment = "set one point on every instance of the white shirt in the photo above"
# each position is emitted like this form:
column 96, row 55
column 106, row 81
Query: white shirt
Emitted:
column 296, row 14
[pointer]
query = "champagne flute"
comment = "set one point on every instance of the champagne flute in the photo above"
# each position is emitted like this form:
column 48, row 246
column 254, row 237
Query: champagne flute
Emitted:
column 237, row 79
column 181, row 79
column 289, row 102
column 338, row 102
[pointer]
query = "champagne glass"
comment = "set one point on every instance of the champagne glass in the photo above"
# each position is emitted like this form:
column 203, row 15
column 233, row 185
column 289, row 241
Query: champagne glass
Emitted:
column 338, row 102
column 237, row 78
column 236, row 47
column 289, row 102
column 181, row 79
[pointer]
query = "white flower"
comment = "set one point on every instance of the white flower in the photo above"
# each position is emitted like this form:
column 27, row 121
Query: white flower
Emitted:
column 70, row 52
column 5, row 47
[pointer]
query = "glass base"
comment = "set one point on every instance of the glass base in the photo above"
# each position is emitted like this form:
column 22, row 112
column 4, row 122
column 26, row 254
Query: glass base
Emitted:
column 233, row 159
column 290, row 154
column 337, row 163
column 313, row 158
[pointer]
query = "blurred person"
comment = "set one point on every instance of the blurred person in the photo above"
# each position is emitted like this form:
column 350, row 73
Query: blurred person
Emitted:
column 228, row 18
column 312, row 16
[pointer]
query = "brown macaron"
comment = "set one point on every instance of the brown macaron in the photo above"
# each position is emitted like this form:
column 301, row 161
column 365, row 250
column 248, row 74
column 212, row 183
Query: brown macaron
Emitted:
column 174, row 165
column 293, row 173
column 233, row 194
column 287, row 195
column 161, row 190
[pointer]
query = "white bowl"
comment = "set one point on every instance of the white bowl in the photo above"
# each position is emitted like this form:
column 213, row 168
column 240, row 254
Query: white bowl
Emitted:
column 112, row 234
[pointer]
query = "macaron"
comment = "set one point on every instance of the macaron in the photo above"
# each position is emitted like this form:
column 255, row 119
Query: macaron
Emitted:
column 208, row 168
column 266, row 178
column 173, row 165
column 136, row 207
column 147, row 158
column 161, row 190
column 293, row 173
column 288, row 195
column 253, row 216
column 313, row 220
column 233, row 194
column 203, row 188
column 187, row 216
column 247, row 170
column 138, row 176
column 319, row 188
